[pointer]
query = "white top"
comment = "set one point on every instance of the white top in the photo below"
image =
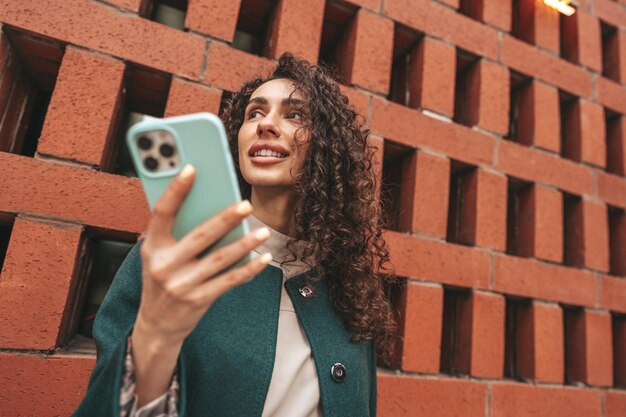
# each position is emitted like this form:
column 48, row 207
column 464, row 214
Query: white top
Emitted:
column 294, row 387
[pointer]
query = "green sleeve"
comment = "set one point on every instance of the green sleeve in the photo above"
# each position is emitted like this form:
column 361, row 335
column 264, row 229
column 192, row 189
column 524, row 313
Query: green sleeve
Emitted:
column 373, row 382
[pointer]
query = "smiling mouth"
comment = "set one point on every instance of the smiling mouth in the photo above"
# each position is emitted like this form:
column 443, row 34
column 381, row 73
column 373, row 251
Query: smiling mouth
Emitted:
column 267, row 153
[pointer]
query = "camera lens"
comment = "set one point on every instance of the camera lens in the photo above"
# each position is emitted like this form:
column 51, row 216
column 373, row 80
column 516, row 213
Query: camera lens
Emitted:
column 166, row 150
column 144, row 143
column 151, row 163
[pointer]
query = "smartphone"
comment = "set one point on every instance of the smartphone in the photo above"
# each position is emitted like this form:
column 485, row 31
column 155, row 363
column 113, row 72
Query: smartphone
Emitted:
column 161, row 147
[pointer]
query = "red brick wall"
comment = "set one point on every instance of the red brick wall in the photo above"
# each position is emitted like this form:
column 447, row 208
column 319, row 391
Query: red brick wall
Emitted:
column 512, row 236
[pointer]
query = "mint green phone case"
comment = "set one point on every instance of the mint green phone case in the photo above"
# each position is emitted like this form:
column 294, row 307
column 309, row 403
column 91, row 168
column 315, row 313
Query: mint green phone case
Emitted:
column 201, row 140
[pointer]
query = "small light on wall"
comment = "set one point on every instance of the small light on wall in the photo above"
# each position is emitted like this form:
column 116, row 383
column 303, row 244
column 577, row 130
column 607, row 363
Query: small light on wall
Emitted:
column 566, row 7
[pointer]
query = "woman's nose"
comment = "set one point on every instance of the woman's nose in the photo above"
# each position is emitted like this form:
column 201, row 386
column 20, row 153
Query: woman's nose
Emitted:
column 267, row 126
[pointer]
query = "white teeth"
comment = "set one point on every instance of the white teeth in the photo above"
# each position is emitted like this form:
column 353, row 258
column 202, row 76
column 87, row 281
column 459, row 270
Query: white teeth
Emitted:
column 267, row 152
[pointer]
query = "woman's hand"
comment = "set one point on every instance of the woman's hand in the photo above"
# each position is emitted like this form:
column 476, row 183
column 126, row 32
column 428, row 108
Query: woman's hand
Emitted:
column 178, row 288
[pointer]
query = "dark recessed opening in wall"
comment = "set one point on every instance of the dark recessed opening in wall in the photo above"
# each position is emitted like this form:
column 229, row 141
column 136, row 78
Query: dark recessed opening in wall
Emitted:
column 144, row 94
column 471, row 8
column 619, row 350
column 574, row 351
column 171, row 13
column 405, row 79
column 522, row 20
column 610, row 51
column 465, row 99
column 254, row 26
column 568, row 38
column 515, row 320
column 462, row 203
column 6, row 227
column 338, row 16
column 617, row 241
column 520, row 109
column 27, row 79
column 101, row 259
column 572, row 230
column 570, row 145
column 519, row 218
column 394, row 190
column 456, row 331
column 615, row 142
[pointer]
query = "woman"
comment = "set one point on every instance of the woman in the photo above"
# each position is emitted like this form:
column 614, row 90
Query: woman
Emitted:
column 297, row 337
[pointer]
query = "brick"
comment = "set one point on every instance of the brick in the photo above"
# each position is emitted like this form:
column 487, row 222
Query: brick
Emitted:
column 104, row 29
column 457, row 265
column 486, row 335
column 445, row 23
column 616, row 146
column 402, row 396
column 619, row 350
column 589, row 344
column 59, row 382
column 229, row 68
column 132, row 5
column 412, row 128
column 531, row 165
column 510, row 399
column 595, row 235
column 37, row 283
column 539, row 25
column 538, row 121
column 613, row 293
column 545, row 66
column 488, row 96
column 187, row 97
column 611, row 94
column 615, row 403
column 541, row 350
column 297, row 28
column 526, row 277
column 33, row 186
column 429, row 206
column 585, row 133
column 368, row 49
column 583, row 40
column 81, row 116
column 490, row 203
column 611, row 189
column 421, row 307
column 496, row 13
column 213, row 17
column 432, row 76
column 541, row 225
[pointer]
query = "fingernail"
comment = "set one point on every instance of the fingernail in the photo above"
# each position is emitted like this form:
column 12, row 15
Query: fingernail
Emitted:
column 187, row 171
column 262, row 233
column 266, row 258
column 244, row 208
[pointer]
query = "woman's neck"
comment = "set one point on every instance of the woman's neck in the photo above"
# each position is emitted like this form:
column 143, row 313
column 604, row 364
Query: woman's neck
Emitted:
column 274, row 208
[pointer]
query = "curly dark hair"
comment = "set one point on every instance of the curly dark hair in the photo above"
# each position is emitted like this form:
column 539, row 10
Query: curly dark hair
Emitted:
column 336, row 209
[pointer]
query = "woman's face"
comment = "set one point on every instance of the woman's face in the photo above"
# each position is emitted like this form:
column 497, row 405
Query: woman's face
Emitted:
column 268, row 155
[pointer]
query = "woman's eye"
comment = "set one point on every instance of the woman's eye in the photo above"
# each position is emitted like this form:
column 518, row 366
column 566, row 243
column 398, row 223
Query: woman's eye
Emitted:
column 252, row 114
column 295, row 115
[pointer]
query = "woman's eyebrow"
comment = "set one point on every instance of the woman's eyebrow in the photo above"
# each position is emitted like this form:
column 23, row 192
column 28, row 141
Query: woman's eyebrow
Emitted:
column 284, row 102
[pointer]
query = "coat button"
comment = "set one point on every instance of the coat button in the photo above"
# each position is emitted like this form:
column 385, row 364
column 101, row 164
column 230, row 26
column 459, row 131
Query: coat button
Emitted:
column 307, row 291
column 338, row 372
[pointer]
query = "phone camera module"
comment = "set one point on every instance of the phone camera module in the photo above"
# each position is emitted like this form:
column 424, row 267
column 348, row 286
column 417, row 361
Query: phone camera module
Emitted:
column 151, row 163
column 166, row 150
column 144, row 143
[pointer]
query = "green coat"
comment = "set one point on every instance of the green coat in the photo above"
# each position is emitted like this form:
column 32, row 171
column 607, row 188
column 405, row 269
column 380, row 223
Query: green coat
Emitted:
column 226, row 363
